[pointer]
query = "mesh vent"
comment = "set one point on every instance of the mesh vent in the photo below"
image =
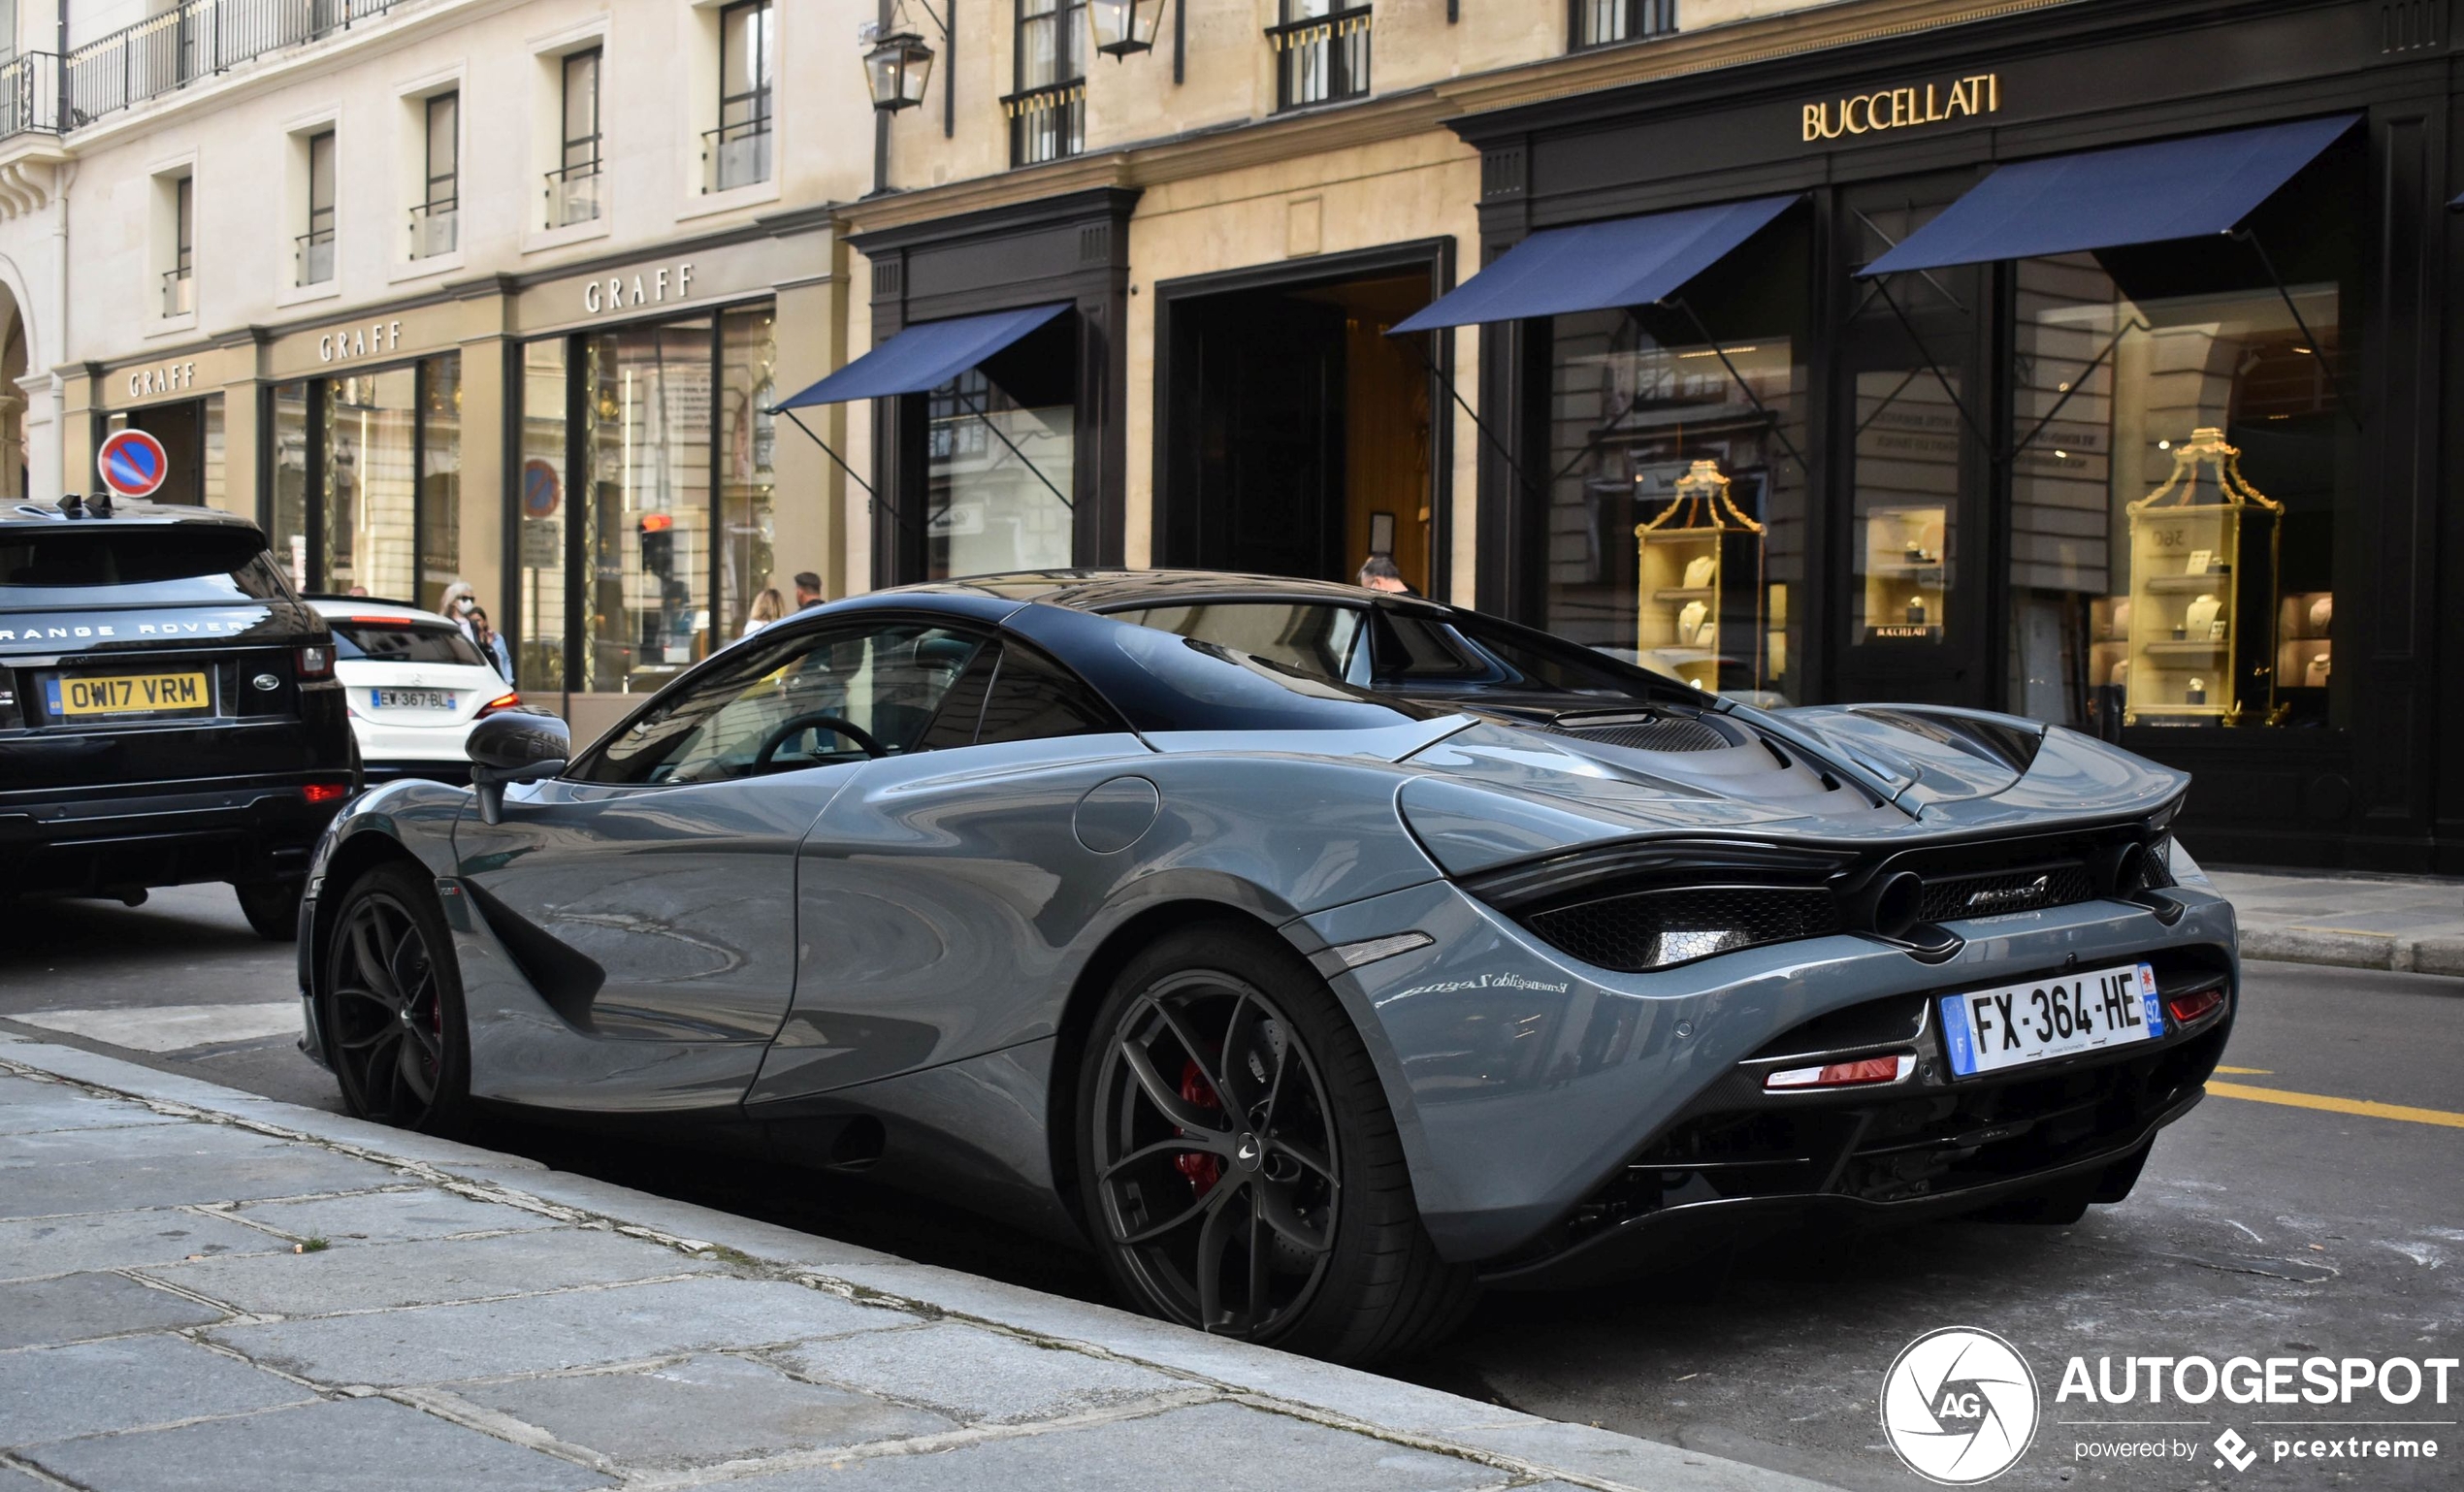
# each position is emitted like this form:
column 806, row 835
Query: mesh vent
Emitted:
column 1655, row 929
column 2027, row 888
column 1662, row 733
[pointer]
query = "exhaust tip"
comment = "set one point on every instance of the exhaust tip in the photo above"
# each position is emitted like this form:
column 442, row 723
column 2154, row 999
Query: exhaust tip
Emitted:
column 1892, row 906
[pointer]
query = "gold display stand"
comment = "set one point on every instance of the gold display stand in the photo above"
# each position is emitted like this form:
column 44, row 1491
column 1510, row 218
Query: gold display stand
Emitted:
column 2202, row 593
column 1691, row 555
column 1905, row 575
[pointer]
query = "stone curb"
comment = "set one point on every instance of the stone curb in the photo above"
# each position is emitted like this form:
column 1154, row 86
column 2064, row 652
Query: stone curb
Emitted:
column 2341, row 948
column 1523, row 1445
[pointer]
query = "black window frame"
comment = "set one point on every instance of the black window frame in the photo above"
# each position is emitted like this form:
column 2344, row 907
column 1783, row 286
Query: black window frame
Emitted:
column 1340, row 37
column 1048, row 116
column 761, row 99
column 566, row 140
column 323, row 149
column 1642, row 20
column 451, row 175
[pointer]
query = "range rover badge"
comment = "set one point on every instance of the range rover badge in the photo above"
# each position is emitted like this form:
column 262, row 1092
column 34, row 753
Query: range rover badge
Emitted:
column 266, row 682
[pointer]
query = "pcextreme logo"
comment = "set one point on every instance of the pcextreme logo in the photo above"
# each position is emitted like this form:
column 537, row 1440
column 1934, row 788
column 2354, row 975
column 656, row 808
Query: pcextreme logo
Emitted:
column 1960, row 1405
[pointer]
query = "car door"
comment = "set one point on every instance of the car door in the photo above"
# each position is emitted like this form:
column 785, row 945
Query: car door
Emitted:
column 665, row 859
column 937, row 894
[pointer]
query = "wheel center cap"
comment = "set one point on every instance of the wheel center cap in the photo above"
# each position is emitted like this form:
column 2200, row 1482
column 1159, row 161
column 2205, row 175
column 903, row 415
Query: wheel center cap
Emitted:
column 406, row 1014
column 1250, row 1154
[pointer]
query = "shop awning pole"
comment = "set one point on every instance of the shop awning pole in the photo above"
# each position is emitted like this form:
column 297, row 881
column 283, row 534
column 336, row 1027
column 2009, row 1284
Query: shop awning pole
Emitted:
column 1023, row 458
column 870, row 495
column 2134, row 324
column 2335, row 384
column 1882, row 287
column 1743, row 387
column 1474, row 415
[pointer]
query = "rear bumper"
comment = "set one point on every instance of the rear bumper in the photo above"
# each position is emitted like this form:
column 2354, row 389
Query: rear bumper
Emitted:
column 85, row 840
column 455, row 773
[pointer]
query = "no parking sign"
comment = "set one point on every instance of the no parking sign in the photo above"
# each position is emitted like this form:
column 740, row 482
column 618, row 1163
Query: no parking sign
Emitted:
column 133, row 464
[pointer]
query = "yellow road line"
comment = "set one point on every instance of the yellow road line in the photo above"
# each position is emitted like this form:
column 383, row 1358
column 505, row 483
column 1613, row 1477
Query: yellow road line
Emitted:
column 2361, row 1106
column 2251, row 1071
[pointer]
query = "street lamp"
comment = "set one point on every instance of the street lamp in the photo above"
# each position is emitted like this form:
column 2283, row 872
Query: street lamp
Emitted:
column 896, row 68
column 1123, row 26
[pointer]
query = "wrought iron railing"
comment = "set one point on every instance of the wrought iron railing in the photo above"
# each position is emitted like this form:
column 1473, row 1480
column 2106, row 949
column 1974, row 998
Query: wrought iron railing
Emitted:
column 1607, row 23
column 189, row 44
column 1322, row 59
column 572, row 195
column 735, row 155
column 1046, row 124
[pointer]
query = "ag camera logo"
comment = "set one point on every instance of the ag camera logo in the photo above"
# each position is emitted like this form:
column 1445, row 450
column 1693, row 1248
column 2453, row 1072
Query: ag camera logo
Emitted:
column 1960, row 1405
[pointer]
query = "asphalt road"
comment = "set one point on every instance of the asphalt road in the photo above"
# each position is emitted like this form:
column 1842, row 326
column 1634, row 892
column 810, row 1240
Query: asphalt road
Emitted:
column 2260, row 1229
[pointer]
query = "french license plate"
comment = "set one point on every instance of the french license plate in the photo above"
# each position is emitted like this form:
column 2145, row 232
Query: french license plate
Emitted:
column 411, row 698
column 129, row 695
column 1992, row 1029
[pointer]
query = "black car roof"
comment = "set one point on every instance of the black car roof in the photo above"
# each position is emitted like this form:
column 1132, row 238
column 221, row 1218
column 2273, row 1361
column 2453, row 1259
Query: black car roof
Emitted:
column 29, row 513
column 1113, row 590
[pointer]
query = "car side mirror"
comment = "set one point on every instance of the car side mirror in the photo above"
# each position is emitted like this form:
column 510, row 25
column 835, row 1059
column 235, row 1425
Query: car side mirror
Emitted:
column 514, row 747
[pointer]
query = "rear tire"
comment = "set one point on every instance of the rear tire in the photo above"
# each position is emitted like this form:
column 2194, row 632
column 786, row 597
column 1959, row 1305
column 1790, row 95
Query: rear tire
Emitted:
column 1288, row 1216
column 272, row 908
column 389, row 997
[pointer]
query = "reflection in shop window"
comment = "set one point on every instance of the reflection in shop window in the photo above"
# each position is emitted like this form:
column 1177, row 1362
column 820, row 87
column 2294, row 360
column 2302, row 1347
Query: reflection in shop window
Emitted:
column 1000, row 446
column 748, row 352
column 2180, row 457
column 1674, row 533
column 539, row 531
column 369, row 487
column 646, row 417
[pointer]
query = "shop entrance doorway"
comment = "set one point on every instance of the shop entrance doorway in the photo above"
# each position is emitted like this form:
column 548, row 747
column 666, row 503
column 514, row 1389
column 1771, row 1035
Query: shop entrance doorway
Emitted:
column 1297, row 438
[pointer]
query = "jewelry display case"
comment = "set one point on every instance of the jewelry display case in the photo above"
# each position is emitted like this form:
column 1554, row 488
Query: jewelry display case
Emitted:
column 2201, row 613
column 1904, row 574
column 1700, row 581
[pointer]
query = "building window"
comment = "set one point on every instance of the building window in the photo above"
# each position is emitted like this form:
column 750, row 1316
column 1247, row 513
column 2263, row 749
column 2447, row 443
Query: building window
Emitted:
column 367, row 481
column 315, row 247
column 179, row 284
column 1321, row 52
column 572, row 187
column 737, row 154
column 1000, row 458
column 435, row 222
column 1048, row 114
column 1607, row 23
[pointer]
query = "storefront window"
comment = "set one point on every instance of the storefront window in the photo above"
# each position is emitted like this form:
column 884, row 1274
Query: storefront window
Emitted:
column 289, row 519
column 190, row 431
column 748, row 352
column 367, row 486
column 370, row 488
column 1675, row 536
column 440, row 478
column 1000, row 448
column 2180, row 459
column 539, row 542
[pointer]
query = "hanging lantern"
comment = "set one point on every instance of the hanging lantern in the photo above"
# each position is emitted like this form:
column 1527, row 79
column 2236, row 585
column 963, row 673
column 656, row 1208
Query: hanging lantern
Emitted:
column 896, row 69
column 1123, row 26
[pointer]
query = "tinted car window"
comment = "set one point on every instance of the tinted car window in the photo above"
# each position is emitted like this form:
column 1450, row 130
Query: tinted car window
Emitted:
column 1497, row 655
column 764, row 711
column 1034, row 699
column 192, row 562
column 1313, row 636
column 400, row 643
column 1160, row 681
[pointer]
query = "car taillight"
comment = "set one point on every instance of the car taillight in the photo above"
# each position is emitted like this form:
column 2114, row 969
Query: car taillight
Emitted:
column 327, row 791
column 501, row 702
column 316, row 661
column 1857, row 1074
column 2187, row 1008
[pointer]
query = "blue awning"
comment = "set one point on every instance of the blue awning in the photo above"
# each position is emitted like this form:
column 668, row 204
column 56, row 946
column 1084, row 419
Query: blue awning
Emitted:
column 1630, row 261
column 2106, row 199
column 924, row 356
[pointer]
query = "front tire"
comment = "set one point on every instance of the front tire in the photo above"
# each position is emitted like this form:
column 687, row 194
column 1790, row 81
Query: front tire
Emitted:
column 391, row 1003
column 1239, row 1164
column 272, row 908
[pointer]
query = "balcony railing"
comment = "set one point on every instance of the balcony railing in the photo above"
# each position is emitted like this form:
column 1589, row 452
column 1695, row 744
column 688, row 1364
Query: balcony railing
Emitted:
column 572, row 195
column 179, row 292
column 1046, row 124
column 315, row 253
column 1322, row 59
column 434, row 228
column 735, row 156
column 1607, row 23
column 163, row 54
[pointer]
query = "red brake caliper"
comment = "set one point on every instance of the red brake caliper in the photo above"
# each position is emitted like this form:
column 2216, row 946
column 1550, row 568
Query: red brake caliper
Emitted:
column 1203, row 1170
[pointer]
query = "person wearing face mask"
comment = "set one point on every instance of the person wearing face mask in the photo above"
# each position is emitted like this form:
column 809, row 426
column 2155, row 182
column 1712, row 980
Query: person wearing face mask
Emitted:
column 458, row 601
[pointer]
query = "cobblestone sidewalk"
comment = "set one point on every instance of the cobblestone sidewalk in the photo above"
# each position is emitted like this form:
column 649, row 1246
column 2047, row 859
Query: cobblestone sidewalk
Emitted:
column 202, row 1289
column 2350, row 921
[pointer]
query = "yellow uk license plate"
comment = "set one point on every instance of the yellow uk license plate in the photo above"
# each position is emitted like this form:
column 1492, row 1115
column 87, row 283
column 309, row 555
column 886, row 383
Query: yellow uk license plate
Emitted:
column 131, row 694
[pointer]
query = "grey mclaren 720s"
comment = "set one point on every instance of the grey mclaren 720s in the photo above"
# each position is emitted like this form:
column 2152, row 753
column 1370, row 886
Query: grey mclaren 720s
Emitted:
column 1317, row 957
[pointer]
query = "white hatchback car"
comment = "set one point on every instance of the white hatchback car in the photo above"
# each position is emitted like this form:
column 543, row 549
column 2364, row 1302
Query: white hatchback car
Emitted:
column 414, row 684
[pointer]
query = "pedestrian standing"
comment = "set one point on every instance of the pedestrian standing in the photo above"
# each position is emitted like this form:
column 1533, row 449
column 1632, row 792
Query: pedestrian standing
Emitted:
column 808, row 589
column 458, row 603
column 491, row 642
column 768, row 607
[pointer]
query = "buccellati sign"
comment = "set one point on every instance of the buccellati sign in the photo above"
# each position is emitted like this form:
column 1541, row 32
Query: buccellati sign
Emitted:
column 1904, row 107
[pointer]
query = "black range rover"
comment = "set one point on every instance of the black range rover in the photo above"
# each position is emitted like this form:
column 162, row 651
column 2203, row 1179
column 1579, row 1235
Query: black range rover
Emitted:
column 168, row 709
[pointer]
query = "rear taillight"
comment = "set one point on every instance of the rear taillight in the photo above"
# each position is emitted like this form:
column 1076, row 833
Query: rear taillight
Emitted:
column 327, row 791
column 2187, row 1008
column 1857, row 1074
column 316, row 661
column 498, row 704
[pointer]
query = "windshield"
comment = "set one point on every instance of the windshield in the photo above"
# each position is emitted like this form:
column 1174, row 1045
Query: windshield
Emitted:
column 384, row 640
column 127, row 567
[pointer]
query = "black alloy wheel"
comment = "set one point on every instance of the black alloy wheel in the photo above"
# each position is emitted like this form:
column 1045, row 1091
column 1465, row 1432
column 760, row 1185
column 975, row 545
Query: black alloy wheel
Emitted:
column 392, row 1005
column 1239, row 1164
